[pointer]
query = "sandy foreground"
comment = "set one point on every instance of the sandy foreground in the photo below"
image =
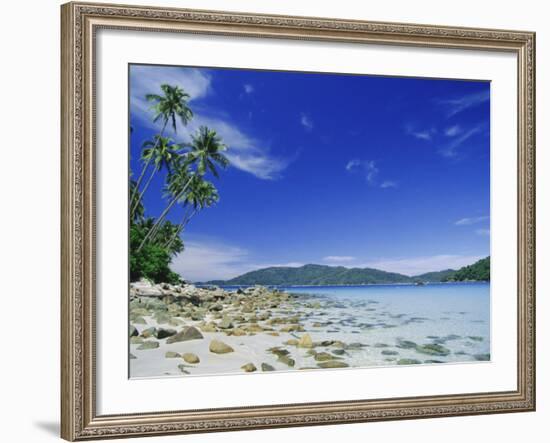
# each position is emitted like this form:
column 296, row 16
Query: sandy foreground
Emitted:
column 186, row 330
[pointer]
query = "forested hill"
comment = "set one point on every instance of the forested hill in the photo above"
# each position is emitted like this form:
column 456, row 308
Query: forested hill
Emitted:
column 479, row 271
column 321, row 275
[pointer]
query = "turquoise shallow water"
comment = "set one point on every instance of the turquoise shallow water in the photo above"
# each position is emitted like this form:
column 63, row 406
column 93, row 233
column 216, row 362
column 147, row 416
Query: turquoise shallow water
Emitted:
column 399, row 324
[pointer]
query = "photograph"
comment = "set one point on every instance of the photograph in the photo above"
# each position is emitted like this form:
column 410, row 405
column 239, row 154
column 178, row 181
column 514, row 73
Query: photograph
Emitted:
column 288, row 221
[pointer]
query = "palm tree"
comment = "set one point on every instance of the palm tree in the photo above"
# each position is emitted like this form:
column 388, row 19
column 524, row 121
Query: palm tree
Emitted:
column 167, row 107
column 205, row 151
column 162, row 153
column 139, row 210
column 201, row 194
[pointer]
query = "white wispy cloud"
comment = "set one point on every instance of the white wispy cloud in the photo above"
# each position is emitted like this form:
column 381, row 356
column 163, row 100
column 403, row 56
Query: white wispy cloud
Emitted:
column 453, row 131
column 483, row 232
column 306, row 121
column 419, row 265
column 338, row 258
column 368, row 167
column 458, row 104
column 388, row 184
column 352, row 164
column 206, row 259
column 451, row 149
column 244, row 151
column 248, row 88
column 371, row 172
column 424, row 134
column 471, row 220
column 203, row 261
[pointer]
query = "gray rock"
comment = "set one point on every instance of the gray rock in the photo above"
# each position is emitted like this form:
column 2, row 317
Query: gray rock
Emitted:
column 482, row 357
column 182, row 369
column 171, row 354
column 188, row 333
column 286, row 360
column 389, row 352
column 226, row 323
column 164, row 333
column 132, row 356
column 332, row 364
column 433, row 349
column 324, row 356
column 216, row 307
column 267, row 367
column 148, row 345
column 133, row 331
column 475, row 338
column 406, row 344
column 146, row 288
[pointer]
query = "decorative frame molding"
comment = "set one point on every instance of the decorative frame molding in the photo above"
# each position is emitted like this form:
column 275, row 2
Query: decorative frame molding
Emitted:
column 79, row 22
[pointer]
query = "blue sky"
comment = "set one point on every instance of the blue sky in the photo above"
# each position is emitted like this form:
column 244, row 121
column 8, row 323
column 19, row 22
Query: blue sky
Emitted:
column 384, row 172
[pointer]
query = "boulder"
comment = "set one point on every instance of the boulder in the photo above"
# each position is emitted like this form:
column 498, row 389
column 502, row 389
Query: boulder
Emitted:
column 186, row 334
column 389, row 352
column 238, row 332
column 433, row 349
column 171, row 354
column 209, row 327
column 133, row 331
column 408, row 361
column 219, row 347
column 145, row 288
column 189, row 357
column 267, row 367
column 226, row 323
column 149, row 332
column 148, row 345
column 332, row 364
column 286, row 360
column 323, row 356
column 216, row 307
column 164, row 333
column 249, row 367
column 305, row 341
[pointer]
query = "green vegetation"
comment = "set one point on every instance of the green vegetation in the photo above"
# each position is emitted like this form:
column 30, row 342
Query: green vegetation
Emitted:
column 320, row 275
column 437, row 276
column 316, row 275
column 154, row 241
column 479, row 271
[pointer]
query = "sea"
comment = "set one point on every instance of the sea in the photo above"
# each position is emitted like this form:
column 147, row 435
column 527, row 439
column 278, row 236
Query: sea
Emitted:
column 400, row 323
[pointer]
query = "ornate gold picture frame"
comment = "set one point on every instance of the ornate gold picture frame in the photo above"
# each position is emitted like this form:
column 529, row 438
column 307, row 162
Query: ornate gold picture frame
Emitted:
column 80, row 23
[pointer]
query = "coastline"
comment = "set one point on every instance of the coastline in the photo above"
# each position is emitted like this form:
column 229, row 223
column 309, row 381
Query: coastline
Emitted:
column 184, row 329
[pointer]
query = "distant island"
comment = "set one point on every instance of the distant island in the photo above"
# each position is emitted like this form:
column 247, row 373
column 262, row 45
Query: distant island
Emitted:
column 322, row 275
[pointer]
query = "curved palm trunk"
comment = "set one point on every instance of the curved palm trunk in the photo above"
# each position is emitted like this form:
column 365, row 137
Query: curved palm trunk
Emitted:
column 142, row 193
column 146, row 166
column 181, row 227
column 162, row 216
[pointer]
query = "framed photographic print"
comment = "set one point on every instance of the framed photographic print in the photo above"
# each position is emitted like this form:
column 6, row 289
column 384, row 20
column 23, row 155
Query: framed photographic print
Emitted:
column 283, row 221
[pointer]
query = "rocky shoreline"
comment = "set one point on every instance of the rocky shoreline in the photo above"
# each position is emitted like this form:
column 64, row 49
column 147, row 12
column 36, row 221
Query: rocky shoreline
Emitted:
column 184, row 329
